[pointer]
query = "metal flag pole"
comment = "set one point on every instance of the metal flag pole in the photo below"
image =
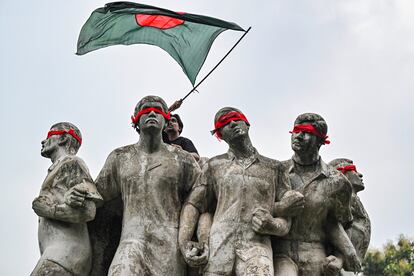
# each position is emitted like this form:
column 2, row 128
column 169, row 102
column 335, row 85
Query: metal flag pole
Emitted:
column 178, row 103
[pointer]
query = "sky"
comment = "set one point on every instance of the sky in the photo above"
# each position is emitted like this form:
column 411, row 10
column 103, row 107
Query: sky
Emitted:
column 350, row 61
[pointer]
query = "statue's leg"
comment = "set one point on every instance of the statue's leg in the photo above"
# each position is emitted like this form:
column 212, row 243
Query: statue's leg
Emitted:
column 48, row 268
column 128, row 261
column 222, row 256
column 285, row 266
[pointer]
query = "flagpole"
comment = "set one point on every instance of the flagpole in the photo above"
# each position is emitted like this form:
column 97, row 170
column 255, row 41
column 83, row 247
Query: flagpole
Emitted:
column 178, row 103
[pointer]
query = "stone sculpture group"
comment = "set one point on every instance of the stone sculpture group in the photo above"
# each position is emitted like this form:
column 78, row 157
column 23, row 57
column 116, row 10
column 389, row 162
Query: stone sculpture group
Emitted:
column 153, row 210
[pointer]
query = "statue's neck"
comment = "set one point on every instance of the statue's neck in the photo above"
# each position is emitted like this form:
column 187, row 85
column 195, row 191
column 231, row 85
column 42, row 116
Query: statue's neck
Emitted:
column 150, row 142
column 58, row 154
column 306, row 158
column 242, row 148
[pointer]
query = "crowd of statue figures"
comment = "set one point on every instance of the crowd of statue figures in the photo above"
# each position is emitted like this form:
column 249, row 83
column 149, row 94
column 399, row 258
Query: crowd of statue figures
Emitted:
column 155, row 210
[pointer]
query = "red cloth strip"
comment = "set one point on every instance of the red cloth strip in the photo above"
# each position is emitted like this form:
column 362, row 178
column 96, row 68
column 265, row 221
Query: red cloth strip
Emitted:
column 148, row 110
column 227, row 118
column 60, row 132
column 347, row 168
column 312, row 130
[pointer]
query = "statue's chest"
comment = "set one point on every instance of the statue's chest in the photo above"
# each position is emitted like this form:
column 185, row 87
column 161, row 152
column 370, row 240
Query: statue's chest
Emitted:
column 155, row 173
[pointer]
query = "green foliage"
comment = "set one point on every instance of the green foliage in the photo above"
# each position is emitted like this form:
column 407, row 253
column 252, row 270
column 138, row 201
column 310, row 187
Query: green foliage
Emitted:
column 393, row 260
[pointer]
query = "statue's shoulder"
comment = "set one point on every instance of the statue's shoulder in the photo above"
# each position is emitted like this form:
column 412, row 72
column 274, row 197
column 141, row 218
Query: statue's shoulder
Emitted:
column 123, row 152
column 124, row 149
column 286, row 164
column 269, row 162
column 218, row 160
column 71, row 161
column 180, row 153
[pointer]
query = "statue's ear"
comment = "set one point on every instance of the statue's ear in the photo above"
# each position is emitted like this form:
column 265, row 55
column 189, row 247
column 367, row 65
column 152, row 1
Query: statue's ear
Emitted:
column 63, row 140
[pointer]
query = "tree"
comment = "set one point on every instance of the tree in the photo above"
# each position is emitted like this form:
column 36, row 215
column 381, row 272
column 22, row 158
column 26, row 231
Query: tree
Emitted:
column 393, row 260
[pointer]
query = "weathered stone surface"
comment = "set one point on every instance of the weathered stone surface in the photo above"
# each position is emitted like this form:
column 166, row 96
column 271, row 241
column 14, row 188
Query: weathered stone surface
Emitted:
column 153, row 209
column 66, row 202
column 240, row 188
column 153, row 179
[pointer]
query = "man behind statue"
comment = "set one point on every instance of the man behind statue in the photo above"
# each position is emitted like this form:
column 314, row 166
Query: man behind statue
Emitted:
column 153, row 180
column 239, row 188
column 65, row 203
column 173, row 137
column 327, row 197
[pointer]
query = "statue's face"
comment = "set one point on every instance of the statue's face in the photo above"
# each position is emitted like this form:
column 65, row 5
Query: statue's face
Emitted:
column 303, row 142
column 151, row 121
column 234, row 130
column 50, row 145
column 356, row 180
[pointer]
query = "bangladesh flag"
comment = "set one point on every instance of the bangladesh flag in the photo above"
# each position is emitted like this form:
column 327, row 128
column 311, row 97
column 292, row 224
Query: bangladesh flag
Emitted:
column 186, row 37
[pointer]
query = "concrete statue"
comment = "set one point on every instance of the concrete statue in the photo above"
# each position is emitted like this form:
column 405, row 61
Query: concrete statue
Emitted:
column 153, row 179
column 326, row 208
column 153, row 210
column 67, row 200
column 240, row 188
column 360, row 231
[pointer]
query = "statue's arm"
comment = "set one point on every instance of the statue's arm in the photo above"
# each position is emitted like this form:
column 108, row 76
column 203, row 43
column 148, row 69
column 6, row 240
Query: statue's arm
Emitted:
column 339, row 215
column 203, row 229
column 288, row 202
column 344, row 252
column 44, row 207
column 263, row 223
column 107, row 183
column 195, row 253
column 188, row 221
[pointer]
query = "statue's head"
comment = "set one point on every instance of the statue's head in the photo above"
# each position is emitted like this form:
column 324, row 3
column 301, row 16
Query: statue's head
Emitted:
column 151, row 113
column 63, row 134
column 309, row 133
column 230, row 124
column 347, row 167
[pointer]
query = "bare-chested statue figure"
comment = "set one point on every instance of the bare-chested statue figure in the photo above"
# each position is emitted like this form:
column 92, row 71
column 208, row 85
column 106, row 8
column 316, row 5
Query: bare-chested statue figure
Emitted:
column 360, row 231
column 239, row 188
column 326, row 207
column 153, row 179
column 66, row 202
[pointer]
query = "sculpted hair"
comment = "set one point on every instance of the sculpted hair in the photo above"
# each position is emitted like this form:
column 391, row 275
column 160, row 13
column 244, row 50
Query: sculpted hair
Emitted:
column 72, row 145
column 314, row 119
column 146, row 99
column 340, row 162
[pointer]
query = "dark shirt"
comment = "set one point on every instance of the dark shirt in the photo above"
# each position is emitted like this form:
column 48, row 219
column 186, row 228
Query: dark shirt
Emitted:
column 184, row 143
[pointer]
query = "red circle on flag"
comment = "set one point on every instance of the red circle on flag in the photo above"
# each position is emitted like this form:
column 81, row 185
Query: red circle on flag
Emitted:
column 157, row 21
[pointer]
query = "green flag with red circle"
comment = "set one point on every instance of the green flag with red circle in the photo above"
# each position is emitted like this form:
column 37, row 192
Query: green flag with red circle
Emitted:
column 186, row 37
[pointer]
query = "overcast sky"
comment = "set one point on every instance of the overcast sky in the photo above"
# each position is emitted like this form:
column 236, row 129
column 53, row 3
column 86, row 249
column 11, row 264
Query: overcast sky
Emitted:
column 351, row 61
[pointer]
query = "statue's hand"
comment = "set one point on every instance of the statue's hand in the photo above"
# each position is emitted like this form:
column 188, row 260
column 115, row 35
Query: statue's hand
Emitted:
column 333, row 266
column 195, row 253
column 262, row 221
column 42, row 204
column 291, row 204
column 75, row 197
